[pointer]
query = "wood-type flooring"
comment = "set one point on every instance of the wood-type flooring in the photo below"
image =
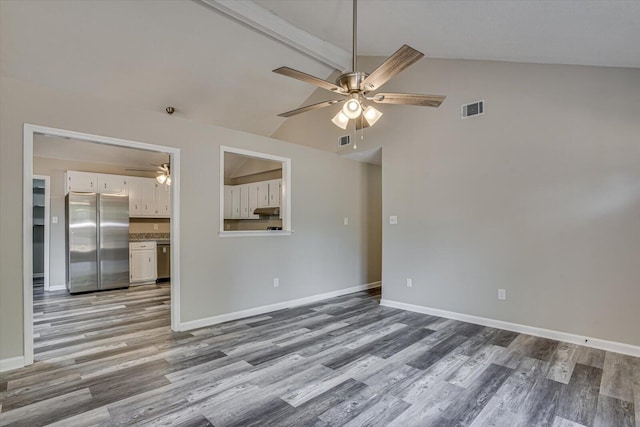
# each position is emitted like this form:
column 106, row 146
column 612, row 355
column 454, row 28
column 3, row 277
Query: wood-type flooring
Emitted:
column 110, row 359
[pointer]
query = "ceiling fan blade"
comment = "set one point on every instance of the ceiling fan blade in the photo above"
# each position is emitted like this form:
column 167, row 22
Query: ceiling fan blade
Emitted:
column 401, row 59
column 310, row 107
column 408, row 99
column 361, row 123
column 307, row 78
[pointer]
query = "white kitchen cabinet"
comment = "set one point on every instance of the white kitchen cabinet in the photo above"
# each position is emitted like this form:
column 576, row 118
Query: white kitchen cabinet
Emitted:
column 228, row 203
column 263, row 194
column 275, row 190
column 112, row 184
column 244, row 201
column 81, row 181
column 164, row 200
column 235, row 202
column 253, row 200
column 142, row 262
column 135, row 197
column 149, row 197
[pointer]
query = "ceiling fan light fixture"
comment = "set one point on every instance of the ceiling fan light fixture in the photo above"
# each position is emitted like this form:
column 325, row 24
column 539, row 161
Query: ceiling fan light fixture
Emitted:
column 168, row 180
column 340, row 120
column 161, row 178
column 352, row 108
column 372, row 115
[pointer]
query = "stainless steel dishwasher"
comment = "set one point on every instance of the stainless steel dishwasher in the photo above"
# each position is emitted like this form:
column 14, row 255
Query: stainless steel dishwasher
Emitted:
column 164, row 261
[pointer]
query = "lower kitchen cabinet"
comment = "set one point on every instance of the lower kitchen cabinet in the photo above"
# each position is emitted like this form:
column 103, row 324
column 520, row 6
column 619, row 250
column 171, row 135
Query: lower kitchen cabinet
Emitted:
column 142, row 262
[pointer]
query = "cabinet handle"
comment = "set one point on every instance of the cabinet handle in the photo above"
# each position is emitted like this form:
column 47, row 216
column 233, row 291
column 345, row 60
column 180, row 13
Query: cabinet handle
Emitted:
column 136, row 206
column 105, row 185
column 149, row 259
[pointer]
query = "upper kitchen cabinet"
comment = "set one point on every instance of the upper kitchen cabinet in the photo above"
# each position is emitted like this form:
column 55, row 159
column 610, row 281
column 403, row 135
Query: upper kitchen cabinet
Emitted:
column 112, row 184
column 275, row 191
column 89, row 182
column 85, row 182
column 135, row 198
column 147, row 197
column 164, row 200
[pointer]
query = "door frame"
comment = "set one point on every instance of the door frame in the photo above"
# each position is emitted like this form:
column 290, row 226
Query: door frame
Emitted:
column 29, row 130
column 47, row 218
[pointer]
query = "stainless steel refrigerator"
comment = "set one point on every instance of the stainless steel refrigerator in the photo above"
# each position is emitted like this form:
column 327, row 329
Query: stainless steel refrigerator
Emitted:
column 97, row 241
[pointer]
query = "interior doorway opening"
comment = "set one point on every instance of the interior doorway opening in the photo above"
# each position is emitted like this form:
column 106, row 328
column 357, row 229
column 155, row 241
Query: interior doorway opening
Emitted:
column 32, row 217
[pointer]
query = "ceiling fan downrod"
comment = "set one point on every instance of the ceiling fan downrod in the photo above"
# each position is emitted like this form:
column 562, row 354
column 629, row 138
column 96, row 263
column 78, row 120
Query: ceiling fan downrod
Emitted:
column 354, row 62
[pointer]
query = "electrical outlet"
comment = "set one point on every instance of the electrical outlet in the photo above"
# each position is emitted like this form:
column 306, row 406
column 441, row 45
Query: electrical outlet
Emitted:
column 346, row 220
column 502, row 294
column 276, row 282
column 393, row 219
column 155, row 227
column 409, row 282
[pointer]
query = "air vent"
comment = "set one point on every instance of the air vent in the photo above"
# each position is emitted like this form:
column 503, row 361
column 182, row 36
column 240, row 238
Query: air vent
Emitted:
column 343, row 141
column 473, row 109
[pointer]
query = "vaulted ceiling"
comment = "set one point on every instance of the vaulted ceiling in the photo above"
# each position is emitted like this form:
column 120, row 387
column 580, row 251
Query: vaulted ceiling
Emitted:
column 216, row 69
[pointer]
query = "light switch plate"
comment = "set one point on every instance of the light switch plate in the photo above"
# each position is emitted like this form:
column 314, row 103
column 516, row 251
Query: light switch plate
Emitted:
column 393, row 219
column 346, row 220
column 54, row 219
column 155, row 227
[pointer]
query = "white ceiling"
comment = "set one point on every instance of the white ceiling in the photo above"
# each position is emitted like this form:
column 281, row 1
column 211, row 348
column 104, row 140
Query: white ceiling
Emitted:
column 582, row 32
column 54, row 147
column 213, row 69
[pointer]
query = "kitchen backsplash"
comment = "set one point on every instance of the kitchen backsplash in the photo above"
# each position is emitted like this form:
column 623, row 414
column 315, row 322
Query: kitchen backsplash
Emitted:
column 137, row 237
column 149, row 225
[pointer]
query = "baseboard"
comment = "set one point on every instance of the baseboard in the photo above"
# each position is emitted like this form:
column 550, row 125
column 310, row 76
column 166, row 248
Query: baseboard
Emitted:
column 601, row 344
column 11, row 363
column 209, row 321
column 57, row 288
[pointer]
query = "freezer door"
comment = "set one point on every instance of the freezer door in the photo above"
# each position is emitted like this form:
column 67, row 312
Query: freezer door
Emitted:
column 114, row 241
column 82, row 254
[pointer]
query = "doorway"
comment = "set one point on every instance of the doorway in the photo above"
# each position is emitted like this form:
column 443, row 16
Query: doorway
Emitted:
column 31, row 131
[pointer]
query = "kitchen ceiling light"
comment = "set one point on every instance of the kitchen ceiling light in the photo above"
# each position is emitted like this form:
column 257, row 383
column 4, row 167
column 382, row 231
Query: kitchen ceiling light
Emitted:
column 340, row 120
column 371, row 115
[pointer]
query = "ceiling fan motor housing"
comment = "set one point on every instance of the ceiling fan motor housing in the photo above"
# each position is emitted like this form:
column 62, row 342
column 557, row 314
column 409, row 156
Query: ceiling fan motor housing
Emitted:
column 351, row 82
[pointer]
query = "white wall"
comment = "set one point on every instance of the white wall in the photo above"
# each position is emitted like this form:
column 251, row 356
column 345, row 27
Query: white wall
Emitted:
column 540, row 196
column 218, row 275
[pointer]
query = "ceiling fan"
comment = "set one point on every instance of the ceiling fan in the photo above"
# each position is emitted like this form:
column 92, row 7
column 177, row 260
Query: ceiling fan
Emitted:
column 357, row 86
column 163, row 170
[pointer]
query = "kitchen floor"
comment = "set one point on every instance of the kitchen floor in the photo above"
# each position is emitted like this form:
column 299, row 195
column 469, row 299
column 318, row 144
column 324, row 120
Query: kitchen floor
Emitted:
column 110, row 358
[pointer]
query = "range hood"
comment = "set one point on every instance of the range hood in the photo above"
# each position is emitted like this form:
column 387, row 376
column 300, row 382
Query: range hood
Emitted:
column 267, row 211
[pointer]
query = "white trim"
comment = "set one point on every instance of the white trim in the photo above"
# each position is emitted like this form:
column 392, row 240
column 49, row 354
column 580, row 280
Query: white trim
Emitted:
column 285, row 200
column 221, row 318
column 267, row 22
column 56, row 288
column 11, row 363
column 47, row 229
column 27, row 219
column 27, row 245
column 616, row 347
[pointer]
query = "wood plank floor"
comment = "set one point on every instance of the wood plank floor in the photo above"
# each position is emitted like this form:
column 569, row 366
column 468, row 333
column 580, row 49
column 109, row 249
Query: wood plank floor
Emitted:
column 111, row 359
